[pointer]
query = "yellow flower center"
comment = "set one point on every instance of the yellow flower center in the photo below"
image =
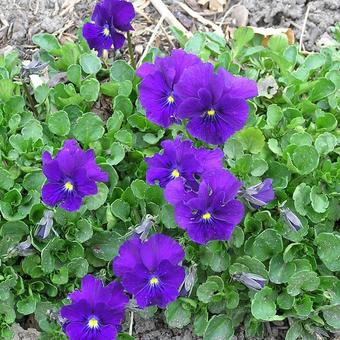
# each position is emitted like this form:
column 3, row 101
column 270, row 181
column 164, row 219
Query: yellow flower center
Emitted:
column 106, row 32
column 175, row 173
column 171, row 100
column 206, row 216
column 93, row 323
column 154, row 281
column 211, row 112
column 68, row 186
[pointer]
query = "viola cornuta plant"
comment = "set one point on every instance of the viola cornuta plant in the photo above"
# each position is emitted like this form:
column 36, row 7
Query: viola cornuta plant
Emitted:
column 187, row 186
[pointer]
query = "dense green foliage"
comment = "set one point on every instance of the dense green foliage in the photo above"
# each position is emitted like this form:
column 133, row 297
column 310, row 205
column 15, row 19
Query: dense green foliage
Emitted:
column 291, row 137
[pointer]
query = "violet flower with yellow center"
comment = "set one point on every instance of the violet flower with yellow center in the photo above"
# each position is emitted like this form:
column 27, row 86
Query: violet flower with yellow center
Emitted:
column 151, row 270
column 156, row 91
column 110, row 17
column 96, row 312
column 180, row 159
column 210, row 213
column 214, row 103
column 71, row 176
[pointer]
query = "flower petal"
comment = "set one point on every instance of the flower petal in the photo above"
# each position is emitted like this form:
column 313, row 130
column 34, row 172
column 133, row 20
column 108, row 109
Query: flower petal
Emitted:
column 158, row 248
column 52, row 194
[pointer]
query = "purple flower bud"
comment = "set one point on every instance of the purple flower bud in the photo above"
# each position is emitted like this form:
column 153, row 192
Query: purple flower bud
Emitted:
column 260, row 194
column 189, row 281
column 22, row 249
column 45, row 225
column 252, row 281
column 291, row 219
column 144, row 228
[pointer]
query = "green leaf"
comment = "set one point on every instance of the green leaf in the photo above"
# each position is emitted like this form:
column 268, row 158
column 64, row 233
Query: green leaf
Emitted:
column 332, row 315
column 219, row 328
column 305, row 158
column 32, row 130
column 319, row 200
column 252, row 139
column 121, row 71
column 6, row 89
column 41, row 93
column 201, row 322
column 121, row 209
column 27, row 305
column 263, row 304
column 215, row 256
column 124, row 136
column 59, row 123
column 176, row 315
column 89, row 90
column 74, row 74
column 88, row 128
column 33, row 181
column 96, row 201
column 104, row 245
column 242, row 36
column 90, row 63
column 267, row 244
column 139, row 188
column 325, row 143
column 206, row 291
column 278, row 43
column 321, row 89
column 168, row 217
column 84, row 231
column 279, row 271
column 6, row 181
column 195, row 44
column 274, row 115
column 46, row 41
column 301, row 198
column 329, row 250
column 326, row 122
column 117, row 153
column 303, row 280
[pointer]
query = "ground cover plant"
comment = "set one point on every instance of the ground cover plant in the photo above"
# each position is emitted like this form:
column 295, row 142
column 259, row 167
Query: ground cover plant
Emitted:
column 207, row 189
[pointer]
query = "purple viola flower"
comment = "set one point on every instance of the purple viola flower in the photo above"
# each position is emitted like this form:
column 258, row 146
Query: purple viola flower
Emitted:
column 213, row 212
column 252, row 281
column 260, row 194
column 71, row 175
column 96, row 312
column 214, row 104
column 156, row 91
column 150, row 270
column 180, row 159
column 110, row 17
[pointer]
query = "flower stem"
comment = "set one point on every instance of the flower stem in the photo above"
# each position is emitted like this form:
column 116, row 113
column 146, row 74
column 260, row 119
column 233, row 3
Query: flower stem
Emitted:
column 132, row 57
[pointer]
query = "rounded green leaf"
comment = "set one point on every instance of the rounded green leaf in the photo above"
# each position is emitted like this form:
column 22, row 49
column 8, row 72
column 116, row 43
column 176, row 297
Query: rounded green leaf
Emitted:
column 89, row 90
column 121, row 71
column 263, row 304
column 305, row 158
column 90, row 63
column 121, row 209
column 176, row 315
column 329, row 250
column 252, row 139
column 88, row 128
column 59, row 123
column 96, row 201
column 219, row 328
column 325, row 143
column 46, row 41
column 267, row 244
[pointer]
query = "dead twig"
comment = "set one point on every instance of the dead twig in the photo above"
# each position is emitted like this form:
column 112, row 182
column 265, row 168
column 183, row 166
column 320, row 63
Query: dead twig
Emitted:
column 168, row 37
column 303, row 28
column 227, row 13
column 199, row 18
column 168, row 16
column 153, row 37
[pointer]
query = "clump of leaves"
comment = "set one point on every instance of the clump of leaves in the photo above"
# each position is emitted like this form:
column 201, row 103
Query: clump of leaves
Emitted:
column 291, row 137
